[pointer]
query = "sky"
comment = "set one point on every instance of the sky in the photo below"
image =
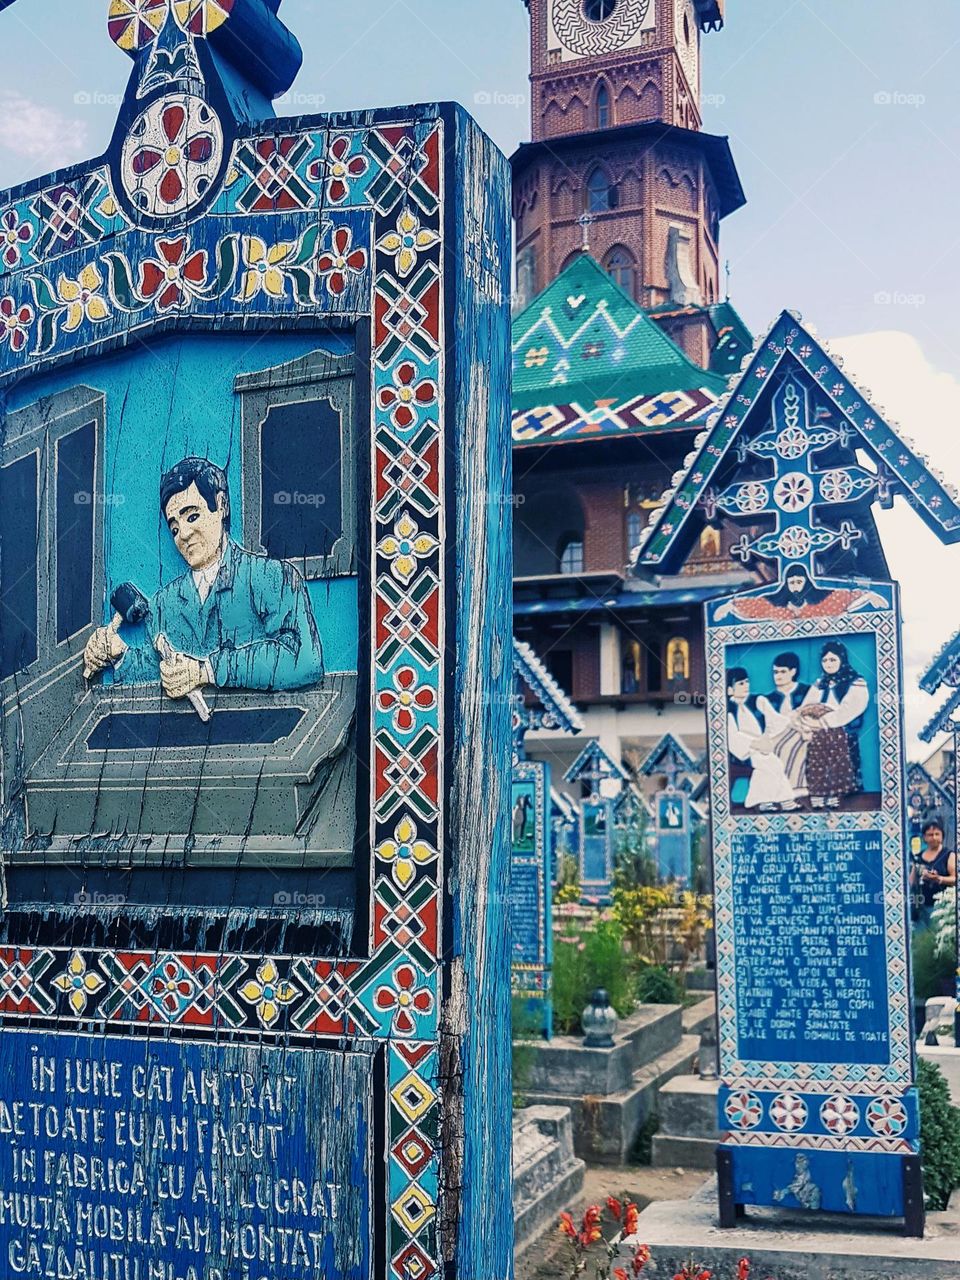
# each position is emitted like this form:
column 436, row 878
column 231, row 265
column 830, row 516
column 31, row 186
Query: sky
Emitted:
column 844, row 120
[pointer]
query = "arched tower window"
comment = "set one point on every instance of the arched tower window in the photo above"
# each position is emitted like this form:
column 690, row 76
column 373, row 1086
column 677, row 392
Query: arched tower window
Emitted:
column 601, row 194
column 602, row 105
column 571, row 553
column 619, row 264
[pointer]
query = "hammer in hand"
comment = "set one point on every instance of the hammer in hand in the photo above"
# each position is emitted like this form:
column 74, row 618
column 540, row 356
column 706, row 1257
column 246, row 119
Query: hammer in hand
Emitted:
column 129, row 605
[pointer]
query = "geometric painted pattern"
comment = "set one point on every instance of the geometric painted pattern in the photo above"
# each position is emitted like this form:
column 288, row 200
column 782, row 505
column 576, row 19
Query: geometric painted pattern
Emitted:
column 82, row 280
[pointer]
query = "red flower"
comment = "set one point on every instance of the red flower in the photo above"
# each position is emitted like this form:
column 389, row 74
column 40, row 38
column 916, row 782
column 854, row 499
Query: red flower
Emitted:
column 592, row 1217
column 14, row 321
column 631, row 1220
column 743, row 1269
column 615, row 1207
column 620, row 1274
column 566, row 1226
column 407, row 396
column 170, row 986
column 179, row 152
column 173, row 277
column 406, row 998
column 339, row 168
column 338, row 263
column 640, row 1259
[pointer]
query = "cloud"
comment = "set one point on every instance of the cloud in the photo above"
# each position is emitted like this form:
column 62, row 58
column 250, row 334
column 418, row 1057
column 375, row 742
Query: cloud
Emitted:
column 40, row 133
column 896, row 376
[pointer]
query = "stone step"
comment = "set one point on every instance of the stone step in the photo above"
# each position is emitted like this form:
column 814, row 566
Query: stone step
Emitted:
column 688, row 1108
column 698, row 1017
column 547, row 1176
column 669, row 1152
column 565, row 1067
column 606, row 1127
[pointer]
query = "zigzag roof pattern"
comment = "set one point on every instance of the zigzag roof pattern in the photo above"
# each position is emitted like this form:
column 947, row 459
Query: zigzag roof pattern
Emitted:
column 529, row 668
column 585, row 344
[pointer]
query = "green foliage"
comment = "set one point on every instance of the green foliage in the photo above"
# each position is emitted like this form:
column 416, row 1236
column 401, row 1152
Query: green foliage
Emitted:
column 634, row 867
column 582, row 961
column 939, row 1136
column 932, row 967
column 526, row 1038
column 657, row 985
column 568, row 881
column 943, row 921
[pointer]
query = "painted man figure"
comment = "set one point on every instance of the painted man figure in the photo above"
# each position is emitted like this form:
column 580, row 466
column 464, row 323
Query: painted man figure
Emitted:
column 234, row 620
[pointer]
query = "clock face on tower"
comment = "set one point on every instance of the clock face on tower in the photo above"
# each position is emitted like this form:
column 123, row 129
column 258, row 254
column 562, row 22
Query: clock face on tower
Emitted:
column 589, row 28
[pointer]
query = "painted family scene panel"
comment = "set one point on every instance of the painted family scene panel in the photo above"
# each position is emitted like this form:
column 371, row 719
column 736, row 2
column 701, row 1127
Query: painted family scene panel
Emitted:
column 802, row 721
column 193, row 503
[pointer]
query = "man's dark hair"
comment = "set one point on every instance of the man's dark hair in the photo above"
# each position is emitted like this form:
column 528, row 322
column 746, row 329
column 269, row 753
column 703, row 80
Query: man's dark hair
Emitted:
column 788, row 660
column 934, row 822
column 735, row 675
column 208, row 478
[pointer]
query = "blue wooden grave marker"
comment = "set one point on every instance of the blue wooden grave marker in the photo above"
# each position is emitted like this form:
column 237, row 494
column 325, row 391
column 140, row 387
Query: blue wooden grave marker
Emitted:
column 254, row 448
column 594, row 769
column 818, row 1101
column 674, row 819
column 532, row 859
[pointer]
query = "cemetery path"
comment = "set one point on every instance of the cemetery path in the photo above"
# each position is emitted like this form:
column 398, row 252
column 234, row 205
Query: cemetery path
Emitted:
column 547, row 1257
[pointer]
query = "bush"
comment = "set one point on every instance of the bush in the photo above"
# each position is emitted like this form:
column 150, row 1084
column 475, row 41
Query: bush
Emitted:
column 657, row 985
column 584, row 961
column 527, row 1035
column 933, row 969
column 568, row 881
column 939, row 1136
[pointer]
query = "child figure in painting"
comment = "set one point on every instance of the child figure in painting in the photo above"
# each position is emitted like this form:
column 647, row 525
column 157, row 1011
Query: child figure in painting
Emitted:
column 769, row 787
column 834, row 710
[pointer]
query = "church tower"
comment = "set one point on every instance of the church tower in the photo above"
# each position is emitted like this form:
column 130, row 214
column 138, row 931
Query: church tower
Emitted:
column 619, row 165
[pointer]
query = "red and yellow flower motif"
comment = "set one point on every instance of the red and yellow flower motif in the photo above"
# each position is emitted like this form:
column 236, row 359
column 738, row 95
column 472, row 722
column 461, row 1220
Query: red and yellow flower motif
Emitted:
column 133, row 24
column 14, row 323
column 175, row 275
column 264, row 268
column 406, row 698
column 407, row 999
column 339, row 169
column 181, row 150
column 341, row 261
column 407, row 242
column 405, row 852
column 407, row 395
column 200, row 17
column 268, row 992
column 171, row 987
column 14, row 234
column 78, row 983
column 81, row 298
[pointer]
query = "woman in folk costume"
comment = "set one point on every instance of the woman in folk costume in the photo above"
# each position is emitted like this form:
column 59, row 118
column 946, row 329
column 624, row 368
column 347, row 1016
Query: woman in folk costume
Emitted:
column 769, row 785
column 835, row 709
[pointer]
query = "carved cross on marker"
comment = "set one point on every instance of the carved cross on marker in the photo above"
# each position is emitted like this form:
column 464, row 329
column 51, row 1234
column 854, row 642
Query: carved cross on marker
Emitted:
column 797, row 488
column 585, row 221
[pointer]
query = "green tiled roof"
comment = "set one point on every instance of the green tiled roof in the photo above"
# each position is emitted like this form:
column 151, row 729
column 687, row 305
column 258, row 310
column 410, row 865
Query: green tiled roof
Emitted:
column 734, row 339
column 584, row 340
